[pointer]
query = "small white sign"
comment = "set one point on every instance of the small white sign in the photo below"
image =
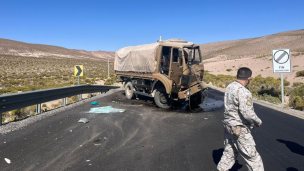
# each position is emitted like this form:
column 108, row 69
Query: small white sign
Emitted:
column 281, row 61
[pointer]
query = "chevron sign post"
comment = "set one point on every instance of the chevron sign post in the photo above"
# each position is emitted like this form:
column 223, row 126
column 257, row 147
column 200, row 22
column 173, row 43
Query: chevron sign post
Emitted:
column 78, row 72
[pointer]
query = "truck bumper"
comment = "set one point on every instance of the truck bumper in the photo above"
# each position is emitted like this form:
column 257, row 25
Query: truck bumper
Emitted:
column 190, row 91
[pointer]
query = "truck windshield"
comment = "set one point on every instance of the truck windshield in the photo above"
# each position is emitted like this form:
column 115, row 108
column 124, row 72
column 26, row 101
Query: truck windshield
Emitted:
column 192, row 55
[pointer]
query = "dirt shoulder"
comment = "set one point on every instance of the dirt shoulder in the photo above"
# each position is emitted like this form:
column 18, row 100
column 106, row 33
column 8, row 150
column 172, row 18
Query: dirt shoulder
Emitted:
column 258, row 66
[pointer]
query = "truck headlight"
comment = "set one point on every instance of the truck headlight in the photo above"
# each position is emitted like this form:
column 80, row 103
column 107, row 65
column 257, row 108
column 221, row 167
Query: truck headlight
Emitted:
column 187, row 93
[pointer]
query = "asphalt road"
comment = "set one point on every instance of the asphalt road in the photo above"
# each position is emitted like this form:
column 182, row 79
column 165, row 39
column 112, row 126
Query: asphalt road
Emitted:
column 145, row 138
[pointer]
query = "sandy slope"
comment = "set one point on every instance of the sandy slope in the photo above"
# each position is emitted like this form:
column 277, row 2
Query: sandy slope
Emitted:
column 261, row 66
column 255, row 47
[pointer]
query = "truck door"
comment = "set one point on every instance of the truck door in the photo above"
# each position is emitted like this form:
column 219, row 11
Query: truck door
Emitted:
column 175, row 72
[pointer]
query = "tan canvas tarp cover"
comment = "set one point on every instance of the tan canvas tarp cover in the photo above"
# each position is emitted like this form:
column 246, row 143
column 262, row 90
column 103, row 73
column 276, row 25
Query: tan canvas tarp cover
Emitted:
column 136, row 58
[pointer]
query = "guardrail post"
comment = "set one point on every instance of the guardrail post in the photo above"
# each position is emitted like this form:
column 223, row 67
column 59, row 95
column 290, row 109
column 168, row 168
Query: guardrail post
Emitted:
column 1, row 117
column 64, row 101
column 38, row 108
column 79, row 83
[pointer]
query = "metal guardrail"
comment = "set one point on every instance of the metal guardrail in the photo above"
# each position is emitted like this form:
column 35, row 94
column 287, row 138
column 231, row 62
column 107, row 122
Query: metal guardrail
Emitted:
column 19, row 100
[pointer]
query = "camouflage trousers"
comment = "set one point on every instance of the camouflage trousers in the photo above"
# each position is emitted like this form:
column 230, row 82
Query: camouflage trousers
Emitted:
column 243, row 145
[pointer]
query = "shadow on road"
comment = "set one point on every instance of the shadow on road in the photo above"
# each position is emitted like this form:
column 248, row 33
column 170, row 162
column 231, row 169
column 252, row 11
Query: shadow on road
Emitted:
column 291, row 169
column 293, row 147
column 217, row 154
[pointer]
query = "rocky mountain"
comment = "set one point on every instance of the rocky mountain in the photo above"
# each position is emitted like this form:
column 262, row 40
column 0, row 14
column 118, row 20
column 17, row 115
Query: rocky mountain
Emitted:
column 16, row 48
column 255, row 47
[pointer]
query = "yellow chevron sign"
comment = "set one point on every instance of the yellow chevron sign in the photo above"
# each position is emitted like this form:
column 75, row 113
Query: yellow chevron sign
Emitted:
column 78, row 70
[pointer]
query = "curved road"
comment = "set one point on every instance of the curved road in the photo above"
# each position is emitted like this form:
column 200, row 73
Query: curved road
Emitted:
column 145, row 138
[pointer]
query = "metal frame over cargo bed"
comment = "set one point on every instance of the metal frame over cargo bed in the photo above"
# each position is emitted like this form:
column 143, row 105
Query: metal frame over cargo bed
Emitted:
column 135, row 74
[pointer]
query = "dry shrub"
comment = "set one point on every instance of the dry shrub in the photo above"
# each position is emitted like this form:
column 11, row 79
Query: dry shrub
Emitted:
column 296, row 99
column 300, row 73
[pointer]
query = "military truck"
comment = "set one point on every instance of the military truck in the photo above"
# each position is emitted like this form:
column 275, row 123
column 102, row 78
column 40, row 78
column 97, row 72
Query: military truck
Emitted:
column 169, row 71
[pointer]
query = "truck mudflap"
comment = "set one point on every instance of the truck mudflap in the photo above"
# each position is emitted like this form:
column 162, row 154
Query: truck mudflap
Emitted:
column 190, row 91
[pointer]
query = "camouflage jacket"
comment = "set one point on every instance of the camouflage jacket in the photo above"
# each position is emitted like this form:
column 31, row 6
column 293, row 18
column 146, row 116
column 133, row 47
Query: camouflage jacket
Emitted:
column 239, row 106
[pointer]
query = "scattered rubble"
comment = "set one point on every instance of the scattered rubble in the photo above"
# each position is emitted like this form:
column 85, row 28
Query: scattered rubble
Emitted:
column 210, row 104
column 95, row 103
column 105, row 109
column 83, row 120
column 7, row 160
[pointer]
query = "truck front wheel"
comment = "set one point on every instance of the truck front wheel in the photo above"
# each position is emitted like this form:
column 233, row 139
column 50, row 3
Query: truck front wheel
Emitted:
column 196, row 100
column 162, row 99
column 129, row 91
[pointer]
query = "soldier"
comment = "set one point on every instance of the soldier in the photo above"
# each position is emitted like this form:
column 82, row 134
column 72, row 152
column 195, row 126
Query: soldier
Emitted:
column 239, row 116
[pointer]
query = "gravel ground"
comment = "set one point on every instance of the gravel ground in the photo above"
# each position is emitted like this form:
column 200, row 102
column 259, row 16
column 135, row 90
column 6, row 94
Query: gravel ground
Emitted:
column 289, row 111
column 12, row 126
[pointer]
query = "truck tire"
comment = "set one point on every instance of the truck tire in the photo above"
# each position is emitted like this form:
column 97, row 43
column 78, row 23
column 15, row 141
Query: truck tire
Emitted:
column 129, row 91
column 162, row 100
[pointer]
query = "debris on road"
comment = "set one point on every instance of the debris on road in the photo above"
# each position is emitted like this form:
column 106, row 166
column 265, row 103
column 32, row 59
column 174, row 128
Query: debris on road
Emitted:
column 97, row 142
column 132, row 105
column 95, row 103
column 7, row 160
column 105, row 109
column 105, row 138
column 83, row 120
column 211, row 104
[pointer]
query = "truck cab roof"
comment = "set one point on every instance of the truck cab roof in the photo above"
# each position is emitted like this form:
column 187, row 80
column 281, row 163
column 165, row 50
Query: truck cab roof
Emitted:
column 177, row 43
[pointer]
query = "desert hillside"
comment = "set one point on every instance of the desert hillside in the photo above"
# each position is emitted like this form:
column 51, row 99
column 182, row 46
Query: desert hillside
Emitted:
column 16, row 48
column 262, row 66
column 255, row 47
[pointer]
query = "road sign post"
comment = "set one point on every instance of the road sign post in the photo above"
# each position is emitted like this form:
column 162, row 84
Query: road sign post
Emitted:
column 108, row 67
column 78, row 72
column 281, row 64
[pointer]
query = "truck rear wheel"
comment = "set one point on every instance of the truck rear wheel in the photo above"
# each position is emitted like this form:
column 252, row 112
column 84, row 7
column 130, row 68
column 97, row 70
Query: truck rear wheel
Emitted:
column 129, row 91
column 162, row 99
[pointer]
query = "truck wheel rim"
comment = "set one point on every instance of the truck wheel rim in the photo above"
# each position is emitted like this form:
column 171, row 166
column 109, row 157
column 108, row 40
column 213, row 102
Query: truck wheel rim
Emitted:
column 162, row 98
column 128, row 90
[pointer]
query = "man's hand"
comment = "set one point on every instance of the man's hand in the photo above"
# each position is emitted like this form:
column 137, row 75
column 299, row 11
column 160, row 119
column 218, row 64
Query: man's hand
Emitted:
column 258, row 125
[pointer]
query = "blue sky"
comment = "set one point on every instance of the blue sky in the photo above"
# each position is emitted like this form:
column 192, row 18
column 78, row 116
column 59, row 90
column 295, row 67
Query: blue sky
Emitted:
column 112, row 24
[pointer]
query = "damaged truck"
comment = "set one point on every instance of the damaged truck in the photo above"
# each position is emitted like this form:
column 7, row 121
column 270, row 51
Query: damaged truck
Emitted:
column 169, row 71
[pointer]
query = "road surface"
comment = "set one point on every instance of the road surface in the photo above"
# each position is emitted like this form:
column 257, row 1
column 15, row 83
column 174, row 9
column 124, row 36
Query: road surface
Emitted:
column 146, row 138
